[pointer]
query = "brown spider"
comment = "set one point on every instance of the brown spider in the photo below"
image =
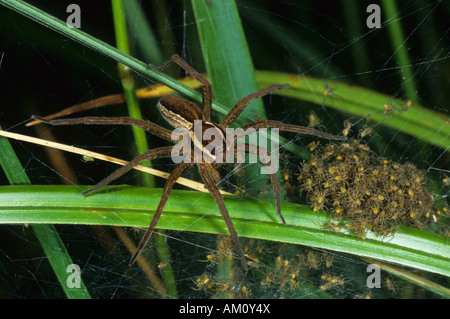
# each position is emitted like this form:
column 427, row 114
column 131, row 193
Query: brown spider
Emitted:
column 182, row 113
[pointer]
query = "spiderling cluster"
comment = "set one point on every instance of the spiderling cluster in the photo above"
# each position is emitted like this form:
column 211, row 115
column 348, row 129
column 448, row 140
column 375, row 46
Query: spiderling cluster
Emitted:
column 352, row 182
column 278, row 270
column 215, row 286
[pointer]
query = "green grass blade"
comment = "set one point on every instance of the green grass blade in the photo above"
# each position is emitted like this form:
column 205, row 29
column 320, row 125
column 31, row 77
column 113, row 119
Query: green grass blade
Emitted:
column 128, row 84
column 47, row 235
column 130, row 206
column 418, row 121
column 401, row 48
column 59, row 259
column 145, row 37
column 228, row 61
column 140, row 137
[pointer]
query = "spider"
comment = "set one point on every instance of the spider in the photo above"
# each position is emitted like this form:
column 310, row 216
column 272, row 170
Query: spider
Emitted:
column 181, row 113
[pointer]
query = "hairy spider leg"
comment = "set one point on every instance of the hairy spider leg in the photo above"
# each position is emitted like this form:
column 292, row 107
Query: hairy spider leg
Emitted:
column 245, row 101
column 102, row 101
column 176, row 173
column 273, row 177
column 161, row 152
column 209, row 183
column 290, row 128
column 206, row 86
column 143, row 124
column 214, row 173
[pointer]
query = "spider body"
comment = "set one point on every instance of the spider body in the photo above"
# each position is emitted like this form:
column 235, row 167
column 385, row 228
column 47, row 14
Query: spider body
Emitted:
column 184, row 114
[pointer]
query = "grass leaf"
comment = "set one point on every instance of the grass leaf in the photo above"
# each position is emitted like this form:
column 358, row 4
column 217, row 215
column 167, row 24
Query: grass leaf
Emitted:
column 194, row 211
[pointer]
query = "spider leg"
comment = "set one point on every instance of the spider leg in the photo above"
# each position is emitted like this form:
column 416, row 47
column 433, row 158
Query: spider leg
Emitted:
column 214, row 173
column 273, row 177
column 149, row 155
column 245, row 101
column 102, row 101
column 206, row 86
column 176, row 173
column 143, row 124
column 289, row 128
column 211, row 186
column 240, row 158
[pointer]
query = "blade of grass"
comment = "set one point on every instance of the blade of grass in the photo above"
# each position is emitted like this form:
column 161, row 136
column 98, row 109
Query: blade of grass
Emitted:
column 47, row 235
column 182, row 181
column 141, row 29
column 253, row 218
column 228, row 61
column 134, row 111
column 418, row 121
column 400, row 47
column 129, row 88
column 101, row 47
column 412, row 277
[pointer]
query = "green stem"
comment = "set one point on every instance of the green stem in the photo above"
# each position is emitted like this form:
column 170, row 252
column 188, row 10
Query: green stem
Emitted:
column 134, row 111
column 146, row 39
column 127, row 78
column 399, row 44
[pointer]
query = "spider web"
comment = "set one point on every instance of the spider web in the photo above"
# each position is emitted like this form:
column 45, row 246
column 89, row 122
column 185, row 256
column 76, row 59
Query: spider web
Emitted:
column 42, row 72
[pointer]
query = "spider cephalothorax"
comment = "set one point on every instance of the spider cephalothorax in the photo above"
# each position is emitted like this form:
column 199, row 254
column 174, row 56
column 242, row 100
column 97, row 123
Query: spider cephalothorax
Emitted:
column 184, row 114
